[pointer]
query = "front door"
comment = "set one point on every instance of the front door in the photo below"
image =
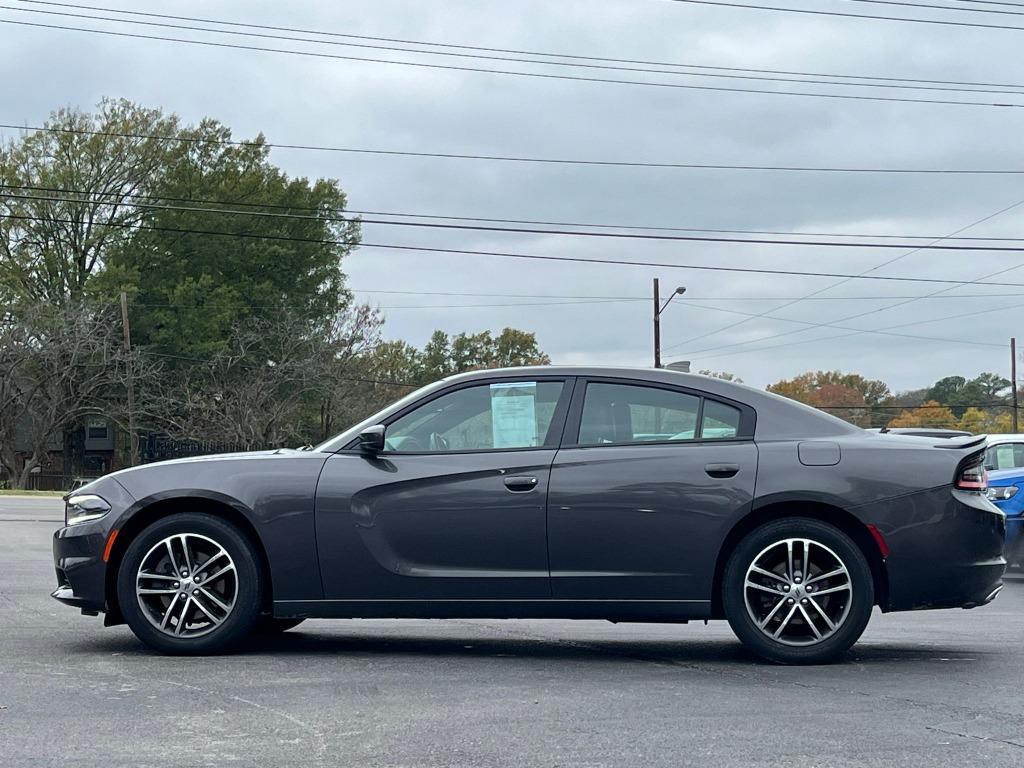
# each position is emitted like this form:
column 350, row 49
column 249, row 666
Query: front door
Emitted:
column 647, row 481
column 455, row 507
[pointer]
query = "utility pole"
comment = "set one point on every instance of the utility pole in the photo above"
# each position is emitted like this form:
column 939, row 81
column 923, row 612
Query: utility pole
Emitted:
column 133, row 457
column 657, row 325
column 658, row 309
column 1013, row 378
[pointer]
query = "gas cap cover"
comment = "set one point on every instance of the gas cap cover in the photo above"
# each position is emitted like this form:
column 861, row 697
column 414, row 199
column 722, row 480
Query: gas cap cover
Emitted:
column 818, row 453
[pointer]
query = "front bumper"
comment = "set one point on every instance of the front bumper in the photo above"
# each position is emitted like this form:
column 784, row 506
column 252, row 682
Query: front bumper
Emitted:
column 78, row 551
column 81, row 572
column 946, row 549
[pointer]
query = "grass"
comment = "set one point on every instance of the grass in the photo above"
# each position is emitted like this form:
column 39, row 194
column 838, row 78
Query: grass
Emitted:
column 54, row 494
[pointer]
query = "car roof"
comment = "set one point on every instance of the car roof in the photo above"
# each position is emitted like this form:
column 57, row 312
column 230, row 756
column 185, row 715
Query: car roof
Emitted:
column 1009, row 438
column 778, row 417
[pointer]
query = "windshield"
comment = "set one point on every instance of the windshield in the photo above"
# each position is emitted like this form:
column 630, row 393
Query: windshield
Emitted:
column 342, row 439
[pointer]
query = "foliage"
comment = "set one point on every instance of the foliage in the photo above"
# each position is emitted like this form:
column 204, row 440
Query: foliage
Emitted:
column 51, row 246
column 930, row 414
column 960, row 393
column 849, row 396
column 191, row 287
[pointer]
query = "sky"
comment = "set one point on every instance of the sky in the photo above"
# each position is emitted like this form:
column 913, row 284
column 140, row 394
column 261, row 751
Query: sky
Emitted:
column 342, row 103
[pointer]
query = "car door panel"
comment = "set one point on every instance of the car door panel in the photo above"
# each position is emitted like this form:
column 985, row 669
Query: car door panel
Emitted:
column 639, row 521
column 439, row 526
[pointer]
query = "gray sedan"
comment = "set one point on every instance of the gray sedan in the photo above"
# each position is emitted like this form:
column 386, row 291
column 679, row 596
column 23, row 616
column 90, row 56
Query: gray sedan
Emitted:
column 591, row 493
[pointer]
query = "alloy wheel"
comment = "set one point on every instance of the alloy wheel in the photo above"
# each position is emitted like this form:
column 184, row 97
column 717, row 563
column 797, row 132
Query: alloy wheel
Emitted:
column 187, row 585
column 798, row 592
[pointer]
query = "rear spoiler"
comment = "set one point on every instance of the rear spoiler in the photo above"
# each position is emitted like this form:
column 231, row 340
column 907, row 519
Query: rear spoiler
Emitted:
column 963, row 443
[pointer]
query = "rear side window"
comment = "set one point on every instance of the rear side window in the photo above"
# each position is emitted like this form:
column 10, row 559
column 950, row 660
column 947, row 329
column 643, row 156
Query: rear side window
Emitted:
column 631, row 413
column 720, row 420
column 1005, row 456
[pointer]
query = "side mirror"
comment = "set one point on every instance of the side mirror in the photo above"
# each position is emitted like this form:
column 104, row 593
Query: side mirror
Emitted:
column 371, row 439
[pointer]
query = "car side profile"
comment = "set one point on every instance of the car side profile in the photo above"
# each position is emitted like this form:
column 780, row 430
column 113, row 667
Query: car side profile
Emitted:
column 547, row 492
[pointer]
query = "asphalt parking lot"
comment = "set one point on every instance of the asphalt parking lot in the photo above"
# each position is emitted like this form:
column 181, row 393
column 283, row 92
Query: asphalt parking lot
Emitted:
column 924, row 689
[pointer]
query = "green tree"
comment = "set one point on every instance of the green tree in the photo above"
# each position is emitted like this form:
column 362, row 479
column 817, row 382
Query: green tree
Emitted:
column 68, row 199
column 196, row 274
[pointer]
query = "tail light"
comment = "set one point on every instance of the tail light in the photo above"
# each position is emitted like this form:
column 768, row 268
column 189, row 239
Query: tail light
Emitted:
column 971, row 476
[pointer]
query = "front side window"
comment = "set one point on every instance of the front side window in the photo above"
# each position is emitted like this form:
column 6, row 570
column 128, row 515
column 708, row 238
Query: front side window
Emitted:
column 497, row 416
column 630, row 413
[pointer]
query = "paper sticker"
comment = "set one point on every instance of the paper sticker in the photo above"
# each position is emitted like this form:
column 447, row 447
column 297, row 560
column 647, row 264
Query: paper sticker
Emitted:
column 514, row 414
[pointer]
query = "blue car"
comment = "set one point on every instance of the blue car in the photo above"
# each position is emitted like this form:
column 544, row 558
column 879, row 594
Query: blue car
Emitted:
column 1006, row 490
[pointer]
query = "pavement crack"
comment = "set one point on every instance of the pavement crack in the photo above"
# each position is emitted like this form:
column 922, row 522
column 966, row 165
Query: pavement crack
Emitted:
column 973, row 736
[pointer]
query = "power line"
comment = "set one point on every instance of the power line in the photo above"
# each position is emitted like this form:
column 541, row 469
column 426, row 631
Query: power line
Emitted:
column 930, row 6
column 587, row 302
column 517, row 73
column 322, row 216
column 486, row 49
column 847, row 335
column 842, row 14
column 489, row 53
column 538, row 257
column 514, row 159
column 886, row 263
column 178, row 306
column 881, row 331
column 560, row 232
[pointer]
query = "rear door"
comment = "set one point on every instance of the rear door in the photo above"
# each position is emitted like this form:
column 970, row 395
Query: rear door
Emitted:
column 646, row 482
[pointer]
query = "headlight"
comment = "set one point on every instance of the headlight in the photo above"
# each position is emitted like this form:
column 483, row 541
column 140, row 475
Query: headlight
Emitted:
column 1001, row 492
column 84, row 508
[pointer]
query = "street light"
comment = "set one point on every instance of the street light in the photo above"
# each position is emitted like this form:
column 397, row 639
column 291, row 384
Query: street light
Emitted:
column 658, row 309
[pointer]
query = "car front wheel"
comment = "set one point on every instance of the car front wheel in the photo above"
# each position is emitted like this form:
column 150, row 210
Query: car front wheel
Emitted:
column 190, row 584
column 798, row 591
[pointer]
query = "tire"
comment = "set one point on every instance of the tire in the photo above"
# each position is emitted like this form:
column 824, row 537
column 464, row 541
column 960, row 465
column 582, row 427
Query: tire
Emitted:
column 221, row 603
column 268, row 625
column 782, row 615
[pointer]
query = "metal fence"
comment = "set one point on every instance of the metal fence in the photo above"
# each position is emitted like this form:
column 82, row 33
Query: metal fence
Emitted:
column 154, row 447
column 49, row 481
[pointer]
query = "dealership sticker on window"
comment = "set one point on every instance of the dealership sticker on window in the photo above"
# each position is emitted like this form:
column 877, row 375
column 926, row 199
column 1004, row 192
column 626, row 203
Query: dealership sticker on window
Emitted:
column 514, row 414
column 1004, row 456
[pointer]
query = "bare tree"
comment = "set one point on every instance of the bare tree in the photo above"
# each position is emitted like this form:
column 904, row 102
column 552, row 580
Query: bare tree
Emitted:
column 58, row 366
column 274, row 374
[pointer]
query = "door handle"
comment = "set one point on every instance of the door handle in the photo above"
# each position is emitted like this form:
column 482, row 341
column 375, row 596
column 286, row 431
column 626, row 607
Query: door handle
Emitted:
column 520, row 483
column 721, row 470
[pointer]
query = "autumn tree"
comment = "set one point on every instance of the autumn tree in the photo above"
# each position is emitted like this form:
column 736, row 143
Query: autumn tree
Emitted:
column 930, row 414
column 847, row 395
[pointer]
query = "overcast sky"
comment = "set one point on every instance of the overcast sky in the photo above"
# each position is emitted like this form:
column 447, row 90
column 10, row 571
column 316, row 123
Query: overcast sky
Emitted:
column 296, row 99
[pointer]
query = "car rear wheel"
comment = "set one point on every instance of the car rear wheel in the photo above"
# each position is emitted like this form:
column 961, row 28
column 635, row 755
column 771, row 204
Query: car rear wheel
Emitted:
column 190, row 584
column 798, row 591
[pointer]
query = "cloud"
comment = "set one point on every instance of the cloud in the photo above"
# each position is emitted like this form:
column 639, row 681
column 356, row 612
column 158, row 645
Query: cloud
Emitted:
column 318, row 101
